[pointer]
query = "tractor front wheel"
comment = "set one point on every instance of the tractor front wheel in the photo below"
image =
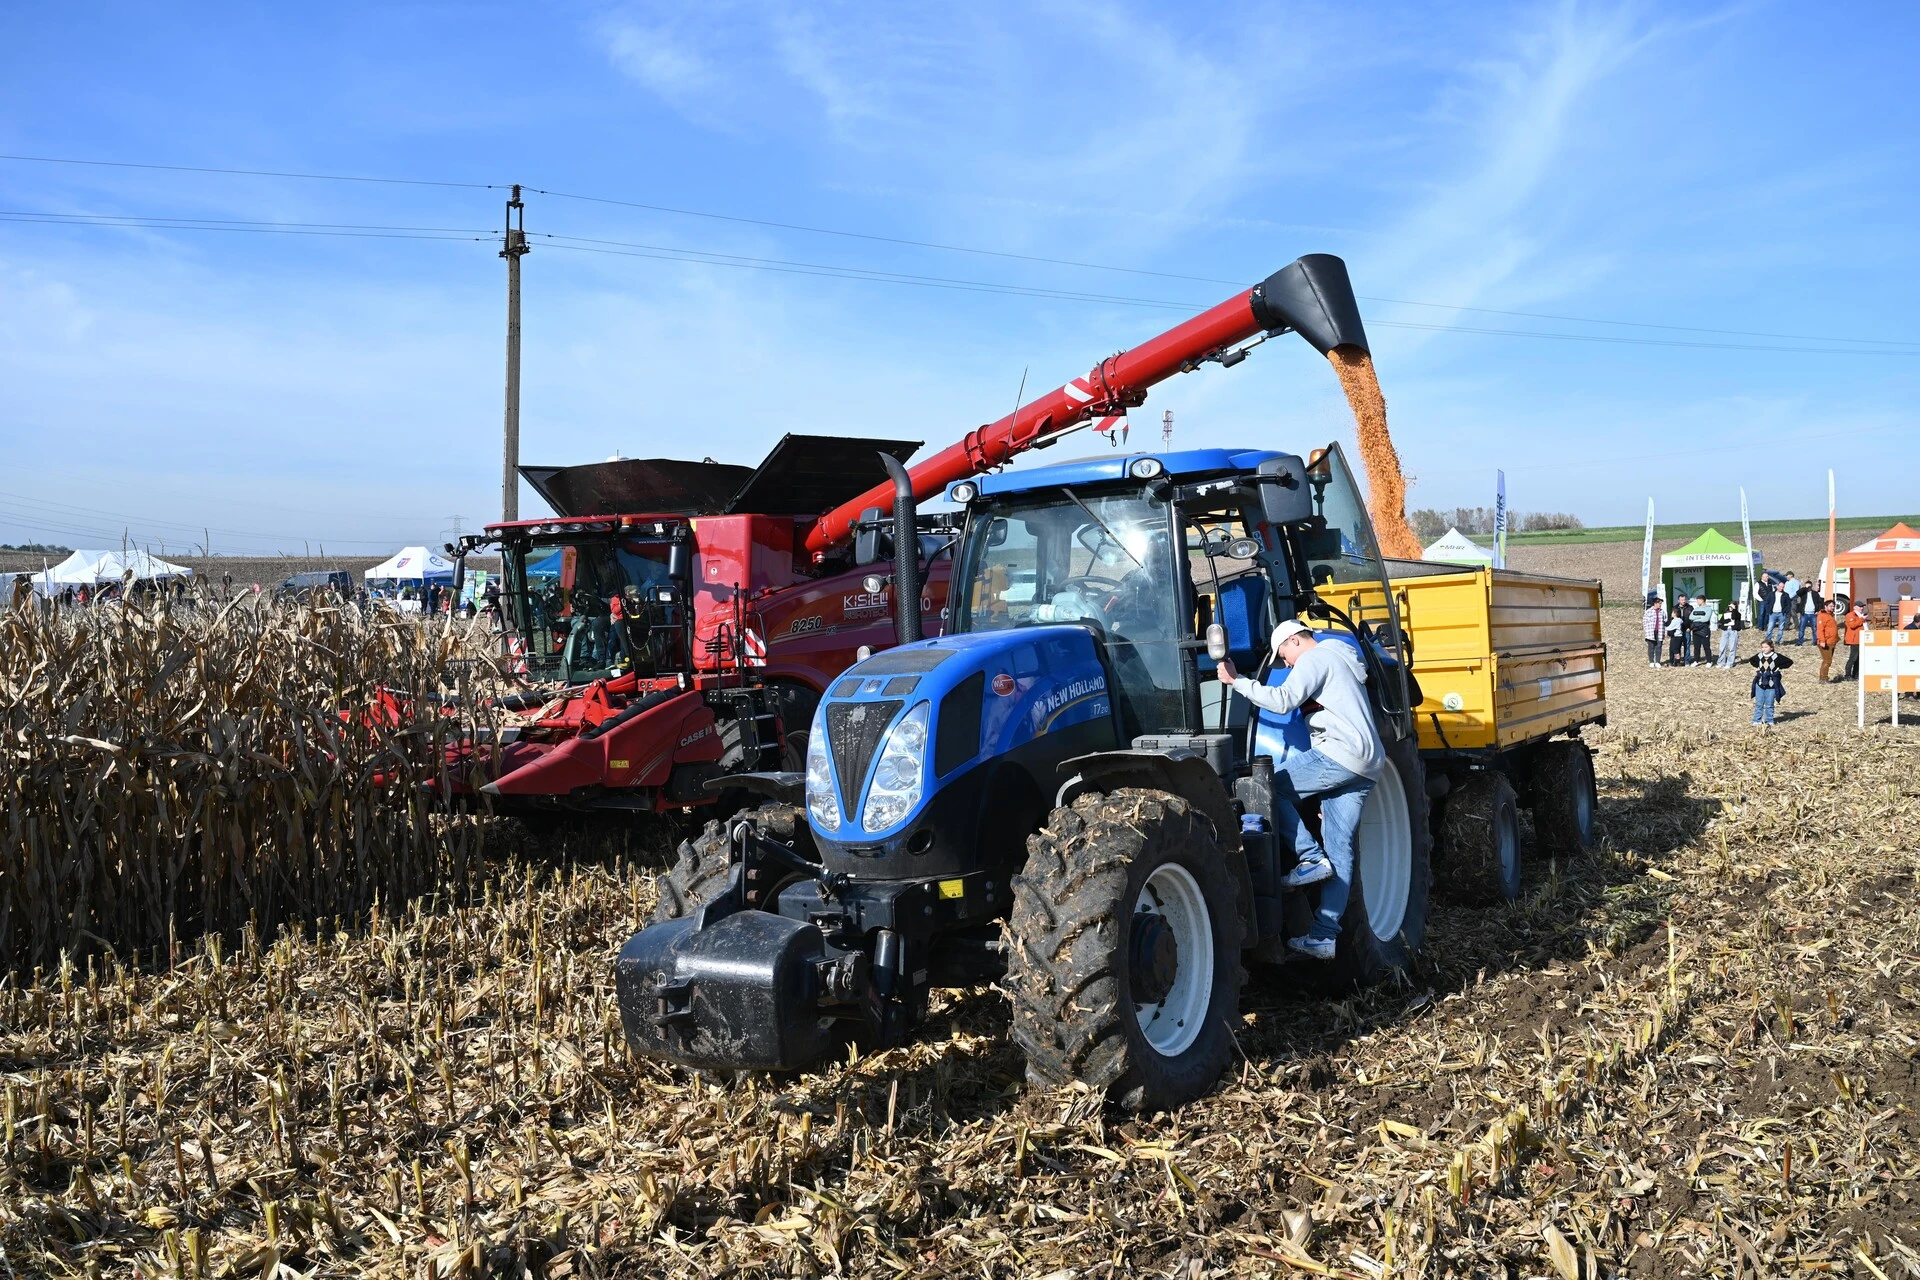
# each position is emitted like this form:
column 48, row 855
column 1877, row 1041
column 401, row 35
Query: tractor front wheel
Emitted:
column 700, row 873
column 1124, row 964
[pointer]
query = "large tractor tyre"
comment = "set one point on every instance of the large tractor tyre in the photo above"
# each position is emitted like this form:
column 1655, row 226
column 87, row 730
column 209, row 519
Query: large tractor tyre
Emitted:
column 705, row 863
column 1386, row 918
column 1481, row 829
column 1565, row 796
column 1124, row 964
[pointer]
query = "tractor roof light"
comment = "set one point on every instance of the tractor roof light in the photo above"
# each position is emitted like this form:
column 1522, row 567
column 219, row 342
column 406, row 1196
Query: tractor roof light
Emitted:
column 1145, row 468
column 963, row 493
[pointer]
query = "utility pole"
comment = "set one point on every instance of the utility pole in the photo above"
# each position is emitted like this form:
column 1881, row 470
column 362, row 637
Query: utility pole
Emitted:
column 1166, row 430
column 515, row 249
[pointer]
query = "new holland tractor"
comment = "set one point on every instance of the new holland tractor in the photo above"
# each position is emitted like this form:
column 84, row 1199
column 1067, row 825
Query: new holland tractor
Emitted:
column 1056, row 794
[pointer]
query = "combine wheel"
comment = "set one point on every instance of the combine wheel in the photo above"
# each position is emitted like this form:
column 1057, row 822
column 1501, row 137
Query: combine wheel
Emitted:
column 1481, row 829
column 1564, row 795
column 1124, row 968
column 1386, row 917
column 705, row 862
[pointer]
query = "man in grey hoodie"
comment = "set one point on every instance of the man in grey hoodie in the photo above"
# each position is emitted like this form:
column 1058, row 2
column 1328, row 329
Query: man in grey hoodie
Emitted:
column 1328, row 681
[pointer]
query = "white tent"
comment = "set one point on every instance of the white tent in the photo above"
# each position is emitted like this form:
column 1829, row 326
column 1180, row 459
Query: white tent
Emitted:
column 412, row 564
column 1457, row 548
column 88, row 568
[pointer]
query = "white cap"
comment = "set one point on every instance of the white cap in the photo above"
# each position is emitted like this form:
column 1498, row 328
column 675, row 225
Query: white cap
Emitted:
column 1288, row 630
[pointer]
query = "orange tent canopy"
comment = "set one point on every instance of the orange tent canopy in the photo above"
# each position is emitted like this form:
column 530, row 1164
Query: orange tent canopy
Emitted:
column 1898, row 547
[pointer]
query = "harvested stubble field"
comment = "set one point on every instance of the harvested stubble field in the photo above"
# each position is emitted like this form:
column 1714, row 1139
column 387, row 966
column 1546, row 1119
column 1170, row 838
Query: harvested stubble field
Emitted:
column 1691, row 1053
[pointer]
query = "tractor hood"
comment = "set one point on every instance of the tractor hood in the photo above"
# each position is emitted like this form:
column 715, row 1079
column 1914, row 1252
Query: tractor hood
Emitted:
column 989, row 697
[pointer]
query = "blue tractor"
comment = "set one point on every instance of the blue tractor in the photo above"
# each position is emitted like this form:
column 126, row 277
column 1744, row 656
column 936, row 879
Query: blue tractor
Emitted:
column 1056, row 795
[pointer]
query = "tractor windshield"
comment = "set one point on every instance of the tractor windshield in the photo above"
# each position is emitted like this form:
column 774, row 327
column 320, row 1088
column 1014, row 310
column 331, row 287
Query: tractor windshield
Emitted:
column 1106, row 560
column 583, row 607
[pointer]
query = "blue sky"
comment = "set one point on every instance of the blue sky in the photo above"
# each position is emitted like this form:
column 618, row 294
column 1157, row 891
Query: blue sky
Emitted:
column 1742, row 168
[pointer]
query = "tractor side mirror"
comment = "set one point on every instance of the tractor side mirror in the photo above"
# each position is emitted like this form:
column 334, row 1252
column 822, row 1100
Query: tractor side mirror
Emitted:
column 867, row 547
column 1284, row 497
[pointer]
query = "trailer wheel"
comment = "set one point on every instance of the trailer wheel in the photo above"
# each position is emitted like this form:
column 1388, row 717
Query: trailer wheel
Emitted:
column 700, row 873
column 1565, row 795
column 1124, row 964
column 1481, row 825
column 1386, row 917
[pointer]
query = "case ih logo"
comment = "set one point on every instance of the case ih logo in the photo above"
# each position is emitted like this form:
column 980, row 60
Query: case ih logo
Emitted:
column 696, row 736
column 1003, row 684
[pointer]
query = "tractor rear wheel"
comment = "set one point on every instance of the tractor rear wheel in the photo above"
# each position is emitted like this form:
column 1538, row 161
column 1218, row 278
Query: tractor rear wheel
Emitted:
column 1481, row 830
column 701, row 871
column 1124, row 964
column 1386, row 917
column 1564, row 795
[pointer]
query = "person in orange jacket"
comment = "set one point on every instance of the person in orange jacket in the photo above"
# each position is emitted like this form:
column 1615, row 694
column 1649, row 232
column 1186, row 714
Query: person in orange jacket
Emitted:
column 1826, row 634
column 1856, row 623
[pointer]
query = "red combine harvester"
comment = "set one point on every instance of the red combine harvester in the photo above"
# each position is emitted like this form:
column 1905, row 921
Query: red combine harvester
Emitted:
column 675, row 628
column 681, row 620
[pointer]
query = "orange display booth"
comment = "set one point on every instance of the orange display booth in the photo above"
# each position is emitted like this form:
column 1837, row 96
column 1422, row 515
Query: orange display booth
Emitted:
column 1889, row 664
column 1884, row 575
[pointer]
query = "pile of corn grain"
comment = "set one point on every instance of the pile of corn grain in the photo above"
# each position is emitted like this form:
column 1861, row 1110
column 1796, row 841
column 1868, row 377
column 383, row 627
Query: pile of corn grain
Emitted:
column 178, row 766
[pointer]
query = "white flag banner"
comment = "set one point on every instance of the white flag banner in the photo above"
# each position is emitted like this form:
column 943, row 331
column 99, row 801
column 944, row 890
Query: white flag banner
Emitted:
column 1500, row 520
column 1646, row 555
column 1746, row 537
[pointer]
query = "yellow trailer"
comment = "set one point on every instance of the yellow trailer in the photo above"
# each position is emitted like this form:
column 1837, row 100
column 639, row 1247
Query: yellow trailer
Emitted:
column 1509, row 667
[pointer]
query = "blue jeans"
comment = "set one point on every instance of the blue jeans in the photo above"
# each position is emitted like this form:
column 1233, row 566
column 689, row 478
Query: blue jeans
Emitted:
column 1806, row 625
column 1763, row 700
column 1342, row 793
column 1729, row 647
column 1776, row 626
column 1686, row 646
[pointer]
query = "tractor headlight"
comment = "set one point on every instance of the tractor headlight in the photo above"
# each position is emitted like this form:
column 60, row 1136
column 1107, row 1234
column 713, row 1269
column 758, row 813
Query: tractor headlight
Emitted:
column 897, row 778
column 822, row 805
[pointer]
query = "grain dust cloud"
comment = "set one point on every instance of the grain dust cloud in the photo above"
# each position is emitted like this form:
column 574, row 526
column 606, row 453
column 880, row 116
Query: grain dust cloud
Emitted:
column 1386, row 486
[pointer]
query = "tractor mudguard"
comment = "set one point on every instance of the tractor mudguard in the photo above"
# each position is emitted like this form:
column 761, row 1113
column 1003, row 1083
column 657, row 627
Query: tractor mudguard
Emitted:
column 1184, row 773
column 740, row 992
column 786, row 788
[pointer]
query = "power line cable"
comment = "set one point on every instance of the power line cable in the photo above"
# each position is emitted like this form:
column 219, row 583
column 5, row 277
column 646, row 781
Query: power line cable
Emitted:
column 943, row 247
column 257, row 173
column 980, row 286
column 66, row 511
column 371, row 232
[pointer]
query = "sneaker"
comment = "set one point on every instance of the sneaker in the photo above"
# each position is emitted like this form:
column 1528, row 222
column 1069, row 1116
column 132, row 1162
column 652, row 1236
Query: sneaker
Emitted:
column 1316, row 948
column 1306, row 872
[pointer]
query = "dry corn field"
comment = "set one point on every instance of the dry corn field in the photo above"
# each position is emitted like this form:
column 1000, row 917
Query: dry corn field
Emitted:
column 1690, row 1053
column 177, row 767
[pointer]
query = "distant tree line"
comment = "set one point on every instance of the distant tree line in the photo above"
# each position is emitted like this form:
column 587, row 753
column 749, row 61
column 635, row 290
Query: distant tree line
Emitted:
column 1430, row 524
column 38, row 548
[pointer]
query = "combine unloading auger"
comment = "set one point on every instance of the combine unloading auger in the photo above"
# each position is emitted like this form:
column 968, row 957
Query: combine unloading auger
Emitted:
column 1311, row 297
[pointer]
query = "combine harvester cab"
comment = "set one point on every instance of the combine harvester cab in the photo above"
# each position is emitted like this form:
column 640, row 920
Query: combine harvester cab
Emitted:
column 675, row 627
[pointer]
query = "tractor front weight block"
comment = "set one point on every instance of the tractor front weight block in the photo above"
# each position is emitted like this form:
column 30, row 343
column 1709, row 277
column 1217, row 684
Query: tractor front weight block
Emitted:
column 747, row 991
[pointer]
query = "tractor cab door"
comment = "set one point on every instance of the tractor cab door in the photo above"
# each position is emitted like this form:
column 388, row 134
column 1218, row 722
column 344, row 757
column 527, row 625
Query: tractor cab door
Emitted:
column 1349, row 585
